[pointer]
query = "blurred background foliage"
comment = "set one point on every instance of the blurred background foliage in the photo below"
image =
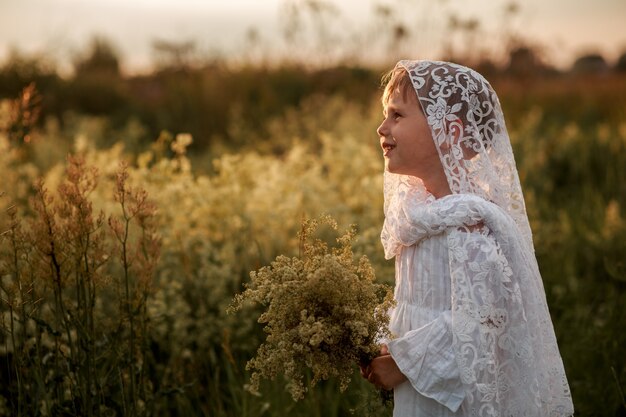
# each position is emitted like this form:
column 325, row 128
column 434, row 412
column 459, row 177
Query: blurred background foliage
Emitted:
column 234, row 155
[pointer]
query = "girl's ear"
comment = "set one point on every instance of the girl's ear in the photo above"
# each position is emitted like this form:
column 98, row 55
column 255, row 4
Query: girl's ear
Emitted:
column 454, row 127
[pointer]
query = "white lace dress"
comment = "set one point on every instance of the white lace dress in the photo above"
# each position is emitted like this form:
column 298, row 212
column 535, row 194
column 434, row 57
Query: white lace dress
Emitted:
column 474, row 336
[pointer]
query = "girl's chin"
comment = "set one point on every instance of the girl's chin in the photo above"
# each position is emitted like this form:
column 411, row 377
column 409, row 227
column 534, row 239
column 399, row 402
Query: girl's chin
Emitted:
column 398, row 170
column 392, row 168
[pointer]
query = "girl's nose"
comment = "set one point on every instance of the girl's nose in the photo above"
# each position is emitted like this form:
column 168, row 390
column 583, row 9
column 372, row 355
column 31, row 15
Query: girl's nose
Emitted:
column 382, row 129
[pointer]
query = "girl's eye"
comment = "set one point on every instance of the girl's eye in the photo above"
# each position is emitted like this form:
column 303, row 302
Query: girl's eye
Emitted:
column 393, row 115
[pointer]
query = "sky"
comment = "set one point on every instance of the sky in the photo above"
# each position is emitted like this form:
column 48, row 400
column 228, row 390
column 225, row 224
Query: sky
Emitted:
column 61, row 29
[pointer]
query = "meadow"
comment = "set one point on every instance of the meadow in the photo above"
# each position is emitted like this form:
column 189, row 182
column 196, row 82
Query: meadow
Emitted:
column 117, row 263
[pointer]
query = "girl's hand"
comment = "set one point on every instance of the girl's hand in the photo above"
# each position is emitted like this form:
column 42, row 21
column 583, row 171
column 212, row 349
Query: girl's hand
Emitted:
column 365, row 367
column 383, row 371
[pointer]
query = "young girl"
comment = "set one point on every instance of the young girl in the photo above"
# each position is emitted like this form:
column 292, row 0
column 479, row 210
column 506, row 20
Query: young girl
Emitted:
column 473, row 335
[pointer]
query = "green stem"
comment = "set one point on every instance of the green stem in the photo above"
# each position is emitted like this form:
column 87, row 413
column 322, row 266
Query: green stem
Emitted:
column 17, row 351
column 619, row 387
column 131, row 338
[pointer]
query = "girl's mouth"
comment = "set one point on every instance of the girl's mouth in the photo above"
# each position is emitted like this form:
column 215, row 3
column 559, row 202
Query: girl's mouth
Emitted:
column 387, row 147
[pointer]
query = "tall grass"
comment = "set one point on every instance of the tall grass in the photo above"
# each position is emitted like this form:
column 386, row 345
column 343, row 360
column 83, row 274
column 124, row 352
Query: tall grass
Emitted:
column 76, row 293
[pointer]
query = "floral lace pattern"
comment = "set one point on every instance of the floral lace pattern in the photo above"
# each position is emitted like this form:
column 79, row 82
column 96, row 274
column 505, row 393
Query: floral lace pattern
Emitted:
column 502, row 336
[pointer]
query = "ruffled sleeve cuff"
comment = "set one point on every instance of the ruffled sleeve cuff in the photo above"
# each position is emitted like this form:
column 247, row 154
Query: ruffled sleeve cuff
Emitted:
column 425, row 356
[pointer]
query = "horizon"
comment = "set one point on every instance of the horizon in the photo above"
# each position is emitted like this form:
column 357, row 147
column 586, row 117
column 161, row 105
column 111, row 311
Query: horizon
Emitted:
column 63, row 29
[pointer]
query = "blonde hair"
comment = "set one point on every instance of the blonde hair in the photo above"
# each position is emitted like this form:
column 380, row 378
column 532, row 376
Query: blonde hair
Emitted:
column 397, row 79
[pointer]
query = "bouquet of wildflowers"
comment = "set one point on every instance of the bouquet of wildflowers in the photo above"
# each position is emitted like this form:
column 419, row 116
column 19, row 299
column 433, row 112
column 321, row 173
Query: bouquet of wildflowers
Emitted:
column 322, row 311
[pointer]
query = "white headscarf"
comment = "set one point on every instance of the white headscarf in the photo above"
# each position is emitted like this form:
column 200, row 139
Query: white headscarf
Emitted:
column 468, row 128
column 503, row 338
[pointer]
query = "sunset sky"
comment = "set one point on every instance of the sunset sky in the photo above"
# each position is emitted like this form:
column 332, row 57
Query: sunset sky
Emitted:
column 62, row 28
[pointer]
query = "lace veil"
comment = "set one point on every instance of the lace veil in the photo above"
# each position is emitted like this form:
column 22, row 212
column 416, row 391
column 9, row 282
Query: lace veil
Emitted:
column 468, row 128
column 504, row 341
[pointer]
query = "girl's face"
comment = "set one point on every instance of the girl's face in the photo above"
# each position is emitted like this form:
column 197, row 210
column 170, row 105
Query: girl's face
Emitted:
column 406, row 140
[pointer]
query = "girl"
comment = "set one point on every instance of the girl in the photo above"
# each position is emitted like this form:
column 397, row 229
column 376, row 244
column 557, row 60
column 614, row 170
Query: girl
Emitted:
column 473, row 335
